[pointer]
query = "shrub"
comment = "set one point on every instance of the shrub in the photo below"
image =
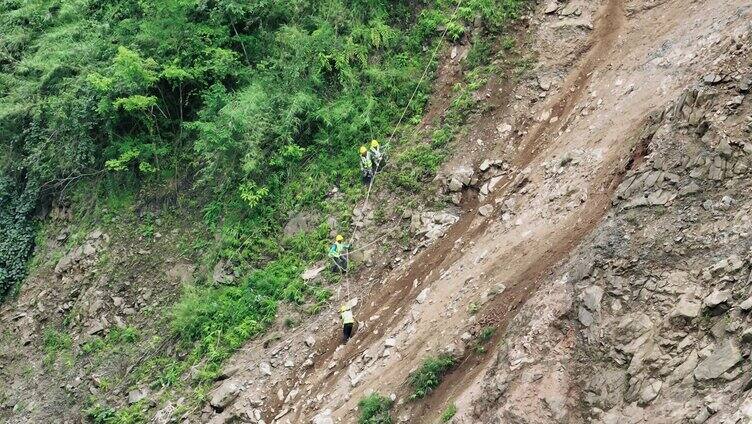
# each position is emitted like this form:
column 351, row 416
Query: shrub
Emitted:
column 484, row 337
column 374, row 409
column 429, row 375
column 486, row 333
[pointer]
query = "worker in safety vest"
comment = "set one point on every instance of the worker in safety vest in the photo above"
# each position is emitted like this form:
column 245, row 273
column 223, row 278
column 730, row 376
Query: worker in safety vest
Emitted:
column 338, row 253
column 348, row 322
column 376, row 155
column 366, row 165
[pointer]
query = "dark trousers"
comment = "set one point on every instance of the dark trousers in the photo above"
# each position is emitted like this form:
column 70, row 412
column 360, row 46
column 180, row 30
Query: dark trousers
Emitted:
column 347, row 332
column 340, row 264
column 366, row 175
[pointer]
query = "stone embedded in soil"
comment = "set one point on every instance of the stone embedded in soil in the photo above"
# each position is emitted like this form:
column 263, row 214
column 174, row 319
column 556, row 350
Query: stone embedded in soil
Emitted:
column 454, row 185
column 716, row 299
column 723, row 358
column 485, row 210
column 746, row 305
column 686, row 308
column 265, row 368
column 224, row 395
column 137, row 395
column 591, row 297
column 585, row 317
column 313, row 272
column 423, row 295
column 650, row 391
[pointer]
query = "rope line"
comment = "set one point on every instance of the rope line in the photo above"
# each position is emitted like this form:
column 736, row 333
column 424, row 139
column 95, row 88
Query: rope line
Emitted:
column 388, row 143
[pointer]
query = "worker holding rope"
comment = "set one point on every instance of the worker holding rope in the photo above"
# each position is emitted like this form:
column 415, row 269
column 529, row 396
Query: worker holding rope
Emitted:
column 338, row 252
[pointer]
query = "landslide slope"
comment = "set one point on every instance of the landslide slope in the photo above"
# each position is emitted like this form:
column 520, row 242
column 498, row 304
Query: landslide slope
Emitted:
column 603, row 244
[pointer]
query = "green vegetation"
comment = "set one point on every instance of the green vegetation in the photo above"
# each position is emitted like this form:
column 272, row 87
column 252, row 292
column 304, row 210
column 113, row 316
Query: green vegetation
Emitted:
column 430, row 374
column 55, row 343
column 133, row 414
column 448, row 413
column 486, row 333
column 117, row 336
column 484, row 337
column 233, row 96
column 374, row 409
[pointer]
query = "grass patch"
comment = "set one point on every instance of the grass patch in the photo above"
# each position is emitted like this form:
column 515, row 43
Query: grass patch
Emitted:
column 374, row 409
column 55, row 343
column 484, row 337
column 430, row 374
column 486, row 333
column 116, row 337
column 101, row 414
column 448, row 413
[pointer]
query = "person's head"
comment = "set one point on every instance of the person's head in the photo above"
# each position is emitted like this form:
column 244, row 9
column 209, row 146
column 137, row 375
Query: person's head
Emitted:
column 363, row 150
column 343, row 308
column 374, row 144
column 339, row 238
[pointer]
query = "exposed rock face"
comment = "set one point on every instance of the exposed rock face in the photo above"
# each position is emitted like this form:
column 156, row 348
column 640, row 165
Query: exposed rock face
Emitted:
column 662, row 316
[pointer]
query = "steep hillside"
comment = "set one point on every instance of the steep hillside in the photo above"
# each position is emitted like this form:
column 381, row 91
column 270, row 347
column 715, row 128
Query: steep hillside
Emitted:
column 168, row 170
column 561, row 234
column 646, row 113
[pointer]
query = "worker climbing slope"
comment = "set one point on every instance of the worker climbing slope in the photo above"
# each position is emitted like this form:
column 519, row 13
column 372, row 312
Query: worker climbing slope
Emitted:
column 377, row 157
column 366, row 165
column 338, row 252
column 348, row 321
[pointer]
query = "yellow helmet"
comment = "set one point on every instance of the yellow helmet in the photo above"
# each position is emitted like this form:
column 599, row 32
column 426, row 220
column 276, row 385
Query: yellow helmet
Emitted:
column 374, row 144
column 343, row 308
column 363, row 150
column 339, row 237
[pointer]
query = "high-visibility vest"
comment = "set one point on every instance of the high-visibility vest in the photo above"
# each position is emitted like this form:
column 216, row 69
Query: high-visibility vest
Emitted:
column 336, row 250
column 365, row 161
column 376, row 152
column 347, row 317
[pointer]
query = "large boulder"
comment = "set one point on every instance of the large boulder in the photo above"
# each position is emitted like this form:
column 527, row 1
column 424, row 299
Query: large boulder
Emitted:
column 224, row 395
column 457, row 179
